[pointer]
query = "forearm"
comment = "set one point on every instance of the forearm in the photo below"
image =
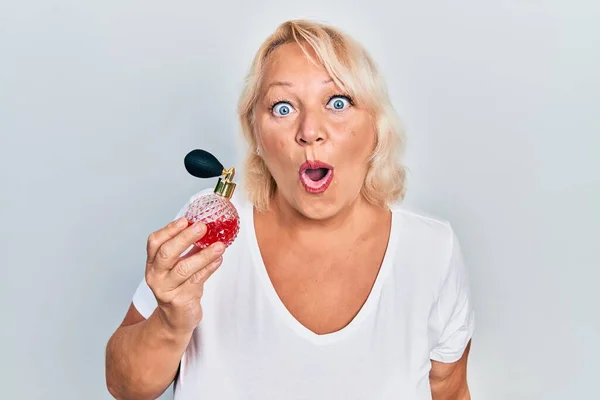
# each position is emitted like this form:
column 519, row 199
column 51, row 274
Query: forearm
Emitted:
column 142, row 359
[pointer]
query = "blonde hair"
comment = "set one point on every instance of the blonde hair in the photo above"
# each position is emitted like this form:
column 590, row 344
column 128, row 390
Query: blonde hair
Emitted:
column 353, row 70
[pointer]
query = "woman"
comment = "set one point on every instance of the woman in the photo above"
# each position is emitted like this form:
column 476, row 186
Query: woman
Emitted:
column 331, row 290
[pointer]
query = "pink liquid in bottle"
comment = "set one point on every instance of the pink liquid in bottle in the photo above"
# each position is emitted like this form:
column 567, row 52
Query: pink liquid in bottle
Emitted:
column 220, row 217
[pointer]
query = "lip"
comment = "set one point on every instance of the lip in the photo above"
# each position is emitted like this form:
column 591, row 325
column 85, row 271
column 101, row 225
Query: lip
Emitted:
column 310, row 185
column 314, row 164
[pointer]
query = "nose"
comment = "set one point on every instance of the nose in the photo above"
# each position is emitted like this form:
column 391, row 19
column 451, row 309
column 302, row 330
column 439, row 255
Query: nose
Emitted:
column 312, row 128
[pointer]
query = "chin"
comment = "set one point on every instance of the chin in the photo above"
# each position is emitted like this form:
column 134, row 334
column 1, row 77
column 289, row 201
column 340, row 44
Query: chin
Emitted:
column 309, row 211
column 318, row 207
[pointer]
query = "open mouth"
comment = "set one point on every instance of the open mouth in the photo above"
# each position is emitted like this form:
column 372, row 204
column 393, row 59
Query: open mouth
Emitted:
column 316, row 176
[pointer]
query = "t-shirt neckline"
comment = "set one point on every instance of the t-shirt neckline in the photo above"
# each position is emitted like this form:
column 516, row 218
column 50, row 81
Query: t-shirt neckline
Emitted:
column 281, row 310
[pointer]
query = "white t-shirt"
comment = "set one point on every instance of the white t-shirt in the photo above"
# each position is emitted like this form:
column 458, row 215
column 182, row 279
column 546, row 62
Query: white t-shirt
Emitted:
column 248, row 346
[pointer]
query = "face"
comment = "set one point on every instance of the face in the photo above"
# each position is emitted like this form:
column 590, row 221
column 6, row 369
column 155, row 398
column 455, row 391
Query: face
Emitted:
column 314, row 140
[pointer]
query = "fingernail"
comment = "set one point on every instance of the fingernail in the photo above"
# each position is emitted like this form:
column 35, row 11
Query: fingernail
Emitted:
column 199, row 227
column 181, row 222
column 219, row 247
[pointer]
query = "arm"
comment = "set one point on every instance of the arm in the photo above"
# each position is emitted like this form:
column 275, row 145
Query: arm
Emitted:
column 452, row 325
column 142, row 357
column 449, row 380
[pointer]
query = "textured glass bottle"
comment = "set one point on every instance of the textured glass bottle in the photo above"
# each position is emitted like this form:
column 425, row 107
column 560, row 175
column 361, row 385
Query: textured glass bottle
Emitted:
column 215, row 210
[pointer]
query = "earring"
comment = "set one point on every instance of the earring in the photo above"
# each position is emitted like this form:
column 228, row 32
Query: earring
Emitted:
column 257, row 151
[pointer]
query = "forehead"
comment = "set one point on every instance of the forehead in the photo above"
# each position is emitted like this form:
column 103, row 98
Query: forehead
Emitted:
column 288, row 63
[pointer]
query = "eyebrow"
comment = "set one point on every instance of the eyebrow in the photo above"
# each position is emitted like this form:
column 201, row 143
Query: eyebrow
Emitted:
column 289, row 84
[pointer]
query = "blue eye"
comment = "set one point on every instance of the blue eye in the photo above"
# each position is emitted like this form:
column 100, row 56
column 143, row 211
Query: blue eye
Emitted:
column 339, row 102
column 282, row 109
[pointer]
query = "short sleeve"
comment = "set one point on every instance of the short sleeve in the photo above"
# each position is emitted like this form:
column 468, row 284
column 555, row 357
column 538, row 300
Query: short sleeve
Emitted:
column 143, row 298
column 452, row 319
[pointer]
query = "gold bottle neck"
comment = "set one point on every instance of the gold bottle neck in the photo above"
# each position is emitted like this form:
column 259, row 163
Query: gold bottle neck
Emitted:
column 225, row 185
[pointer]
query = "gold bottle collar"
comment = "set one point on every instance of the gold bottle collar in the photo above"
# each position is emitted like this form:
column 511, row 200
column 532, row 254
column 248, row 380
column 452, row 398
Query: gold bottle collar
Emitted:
column 225, row 185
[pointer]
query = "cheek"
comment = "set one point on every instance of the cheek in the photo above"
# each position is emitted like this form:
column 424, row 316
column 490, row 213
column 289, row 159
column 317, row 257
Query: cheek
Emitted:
column 277, row 149
column 354, row 147
column 272, row 133
column 280, row 144
column 360, row 142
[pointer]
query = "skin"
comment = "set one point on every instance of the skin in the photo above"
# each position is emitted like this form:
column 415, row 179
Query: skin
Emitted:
column 313, row 130
column 449, row 381
column 143, row 355
column 322, row 289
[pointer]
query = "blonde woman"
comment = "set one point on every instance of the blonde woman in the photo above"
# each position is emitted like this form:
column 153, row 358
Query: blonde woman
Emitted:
column 332, row 290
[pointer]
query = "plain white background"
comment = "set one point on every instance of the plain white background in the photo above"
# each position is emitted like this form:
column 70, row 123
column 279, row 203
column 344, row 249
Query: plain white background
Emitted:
column 100, row 101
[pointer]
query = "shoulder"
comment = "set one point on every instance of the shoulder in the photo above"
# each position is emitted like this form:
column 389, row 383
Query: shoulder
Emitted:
column 424, row 228
column 428, row 244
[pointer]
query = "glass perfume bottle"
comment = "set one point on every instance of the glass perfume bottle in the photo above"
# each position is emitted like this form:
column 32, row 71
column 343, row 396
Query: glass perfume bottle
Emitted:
column 215, row 209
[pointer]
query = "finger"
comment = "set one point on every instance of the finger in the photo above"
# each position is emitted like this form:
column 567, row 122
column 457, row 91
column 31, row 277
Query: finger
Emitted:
column 190, row 251
column 188, row 266
column 157, row 238
column 201, row 276
column 170, row 251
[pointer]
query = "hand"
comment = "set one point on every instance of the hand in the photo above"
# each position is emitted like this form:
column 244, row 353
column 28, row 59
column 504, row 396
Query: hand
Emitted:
column 178, row 282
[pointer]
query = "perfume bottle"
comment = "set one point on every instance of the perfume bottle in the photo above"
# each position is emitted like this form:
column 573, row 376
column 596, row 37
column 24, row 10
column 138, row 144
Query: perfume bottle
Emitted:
column 215, row 209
